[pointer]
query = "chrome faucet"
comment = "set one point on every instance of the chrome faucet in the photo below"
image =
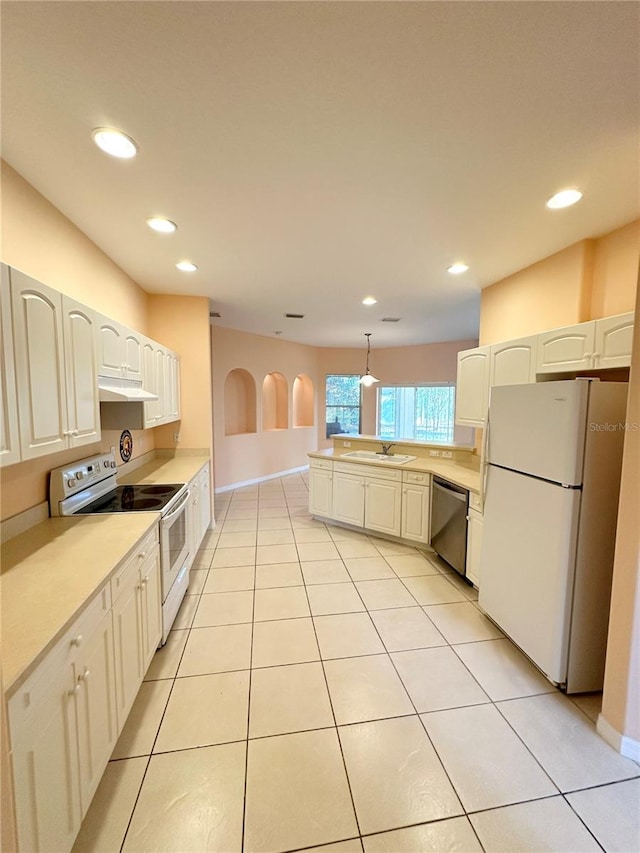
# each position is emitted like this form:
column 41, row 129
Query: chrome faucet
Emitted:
column 386, row 449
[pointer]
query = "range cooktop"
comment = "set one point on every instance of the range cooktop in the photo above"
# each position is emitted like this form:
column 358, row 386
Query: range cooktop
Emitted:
column 133, row 499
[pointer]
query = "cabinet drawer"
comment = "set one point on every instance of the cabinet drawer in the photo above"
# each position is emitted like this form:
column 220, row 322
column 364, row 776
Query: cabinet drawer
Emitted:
column 474, row 501
column 31, row 693
column 128, row 572
column 378, row 472
column 327, row 464
column 416, row 477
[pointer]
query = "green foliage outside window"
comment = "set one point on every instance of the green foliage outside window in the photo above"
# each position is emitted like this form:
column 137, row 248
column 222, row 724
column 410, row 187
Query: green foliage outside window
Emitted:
column 343, row 404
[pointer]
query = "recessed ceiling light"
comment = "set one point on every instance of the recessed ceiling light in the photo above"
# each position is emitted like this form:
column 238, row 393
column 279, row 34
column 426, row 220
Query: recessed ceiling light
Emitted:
column 369, row 300
column 565, row 198
column 162, row 225
column 186, row 266
column 457, row 268
column 114, row 142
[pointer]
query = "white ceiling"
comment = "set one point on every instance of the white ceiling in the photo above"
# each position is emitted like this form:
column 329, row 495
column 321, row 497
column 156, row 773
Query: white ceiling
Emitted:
column 315, row 153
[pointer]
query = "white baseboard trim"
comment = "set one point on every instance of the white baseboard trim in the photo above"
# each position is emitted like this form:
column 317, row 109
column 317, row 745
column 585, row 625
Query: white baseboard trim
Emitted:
column 242, row 483
column 621, row 743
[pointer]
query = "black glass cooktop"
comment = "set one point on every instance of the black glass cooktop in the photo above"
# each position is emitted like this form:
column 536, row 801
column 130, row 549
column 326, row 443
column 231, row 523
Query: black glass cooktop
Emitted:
column 133, row 499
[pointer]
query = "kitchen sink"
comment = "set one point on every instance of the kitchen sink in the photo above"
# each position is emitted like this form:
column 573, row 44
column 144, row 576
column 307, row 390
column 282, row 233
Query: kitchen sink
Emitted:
column 372, row 456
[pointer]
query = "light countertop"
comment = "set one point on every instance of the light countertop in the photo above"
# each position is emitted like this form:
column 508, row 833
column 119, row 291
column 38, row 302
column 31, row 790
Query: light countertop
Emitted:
column 48, row 575
column 465, row 475
column 163, row 469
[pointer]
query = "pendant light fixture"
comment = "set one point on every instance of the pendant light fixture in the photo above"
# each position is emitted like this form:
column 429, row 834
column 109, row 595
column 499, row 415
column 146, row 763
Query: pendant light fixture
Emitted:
column 368, row 379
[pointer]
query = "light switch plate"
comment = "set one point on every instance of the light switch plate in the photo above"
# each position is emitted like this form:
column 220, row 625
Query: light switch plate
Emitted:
column 346, row 444
column 434, row 453
column 447, row 454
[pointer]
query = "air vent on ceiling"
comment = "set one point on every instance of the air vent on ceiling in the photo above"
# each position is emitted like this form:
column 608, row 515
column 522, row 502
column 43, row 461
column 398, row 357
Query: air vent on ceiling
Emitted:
column 294, row 316
column 390, row 319
column 214, row 314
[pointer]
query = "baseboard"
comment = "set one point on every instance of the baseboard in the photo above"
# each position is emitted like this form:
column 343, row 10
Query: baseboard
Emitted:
column 242, row 483
column 626, row 746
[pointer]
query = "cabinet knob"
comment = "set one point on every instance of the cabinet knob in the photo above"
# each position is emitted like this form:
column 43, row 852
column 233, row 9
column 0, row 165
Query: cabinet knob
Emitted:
column 84, row 676
column 77, row 640
column 145, row 581
column 588, row 354
column 142, row 555
column 75, row 690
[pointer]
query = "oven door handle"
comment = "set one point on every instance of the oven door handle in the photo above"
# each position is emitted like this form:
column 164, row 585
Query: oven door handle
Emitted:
column 179, row 508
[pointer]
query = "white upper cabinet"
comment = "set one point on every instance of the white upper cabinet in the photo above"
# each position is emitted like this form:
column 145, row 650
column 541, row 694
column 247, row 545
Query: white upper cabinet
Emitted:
column 513, row 362
column 567, row 349
column 472, row 386
column 119, row 350
column 149, row 383
column 81, row 371
column 9, row 432
column 613, row 341
column 39, row 362
column 172, row 385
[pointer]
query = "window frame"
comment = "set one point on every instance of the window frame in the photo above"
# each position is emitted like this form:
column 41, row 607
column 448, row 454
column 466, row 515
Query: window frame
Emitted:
column 416, row 385
column 328, row 405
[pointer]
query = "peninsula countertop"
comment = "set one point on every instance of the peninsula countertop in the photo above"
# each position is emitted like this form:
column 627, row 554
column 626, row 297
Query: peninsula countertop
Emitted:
column 461, row 473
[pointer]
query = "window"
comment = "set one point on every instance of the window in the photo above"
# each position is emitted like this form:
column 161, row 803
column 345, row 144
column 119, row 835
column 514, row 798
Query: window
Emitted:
column 421, row 412
column 343, row 404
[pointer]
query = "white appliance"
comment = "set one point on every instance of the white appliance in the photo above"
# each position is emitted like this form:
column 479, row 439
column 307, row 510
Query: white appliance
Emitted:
column 554, row 453
column 90, row 487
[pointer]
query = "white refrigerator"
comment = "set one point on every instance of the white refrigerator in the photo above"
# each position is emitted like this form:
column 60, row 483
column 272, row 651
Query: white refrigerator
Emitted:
column 554, row 454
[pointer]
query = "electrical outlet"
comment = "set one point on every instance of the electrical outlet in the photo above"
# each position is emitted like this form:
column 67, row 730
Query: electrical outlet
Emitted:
column 113, row 449
column 447, row 454
column 434, row 453
column 176, row 436
column 346, row 444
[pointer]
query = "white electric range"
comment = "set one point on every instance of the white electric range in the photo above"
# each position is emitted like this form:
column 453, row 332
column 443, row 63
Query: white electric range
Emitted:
column 90, row 487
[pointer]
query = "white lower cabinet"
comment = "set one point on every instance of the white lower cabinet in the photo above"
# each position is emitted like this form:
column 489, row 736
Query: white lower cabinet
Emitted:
column 474, row 545
column 367, row 498
column 65, row 719
column 348, row 498
column 416, row 497
column 198, row 510
column 382, row 506
column 321, row 487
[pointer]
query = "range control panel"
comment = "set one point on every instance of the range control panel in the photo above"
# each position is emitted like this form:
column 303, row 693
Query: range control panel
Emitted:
column 76, row 476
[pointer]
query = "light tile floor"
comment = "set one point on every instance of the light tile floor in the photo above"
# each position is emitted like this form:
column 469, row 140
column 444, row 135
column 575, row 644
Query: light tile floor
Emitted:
column 324, row 689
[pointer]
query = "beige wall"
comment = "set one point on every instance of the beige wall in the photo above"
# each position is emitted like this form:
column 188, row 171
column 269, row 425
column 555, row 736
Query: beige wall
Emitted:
column 40, row 241
column 615, row 269
column 591, row 279
column 250, row 456
column 391, row 365
column 182, row 324
column 621, row 700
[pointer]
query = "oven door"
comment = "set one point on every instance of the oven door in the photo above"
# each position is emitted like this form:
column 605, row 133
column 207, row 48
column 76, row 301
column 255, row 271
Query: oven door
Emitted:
column 174, row 543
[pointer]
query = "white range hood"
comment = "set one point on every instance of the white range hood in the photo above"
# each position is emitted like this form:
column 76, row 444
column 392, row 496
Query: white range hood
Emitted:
column 123, row 391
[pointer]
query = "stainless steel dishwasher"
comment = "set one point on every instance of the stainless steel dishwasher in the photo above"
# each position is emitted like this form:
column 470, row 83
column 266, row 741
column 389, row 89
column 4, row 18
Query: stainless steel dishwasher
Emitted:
column 449, row 523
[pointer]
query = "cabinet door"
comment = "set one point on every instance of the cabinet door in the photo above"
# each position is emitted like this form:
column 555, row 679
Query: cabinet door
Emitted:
column 514, row 362
column 39, row 361
column 172, row 386
column 151, row 603
column 9, row 432
column 415, row 513
column 96, row 706
column 127, row 629
column 81, row 369
column 132, row 354
column 204, row 504
column 193, row 517
column 474, row 545
column 149, row 383
column 613, row 341
column 111, row 348
column 567, row 349
column 472, row 386
column 320, row 491
column 383, row 504
column 45, row 765
column 159, row 357
column 348, row 499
